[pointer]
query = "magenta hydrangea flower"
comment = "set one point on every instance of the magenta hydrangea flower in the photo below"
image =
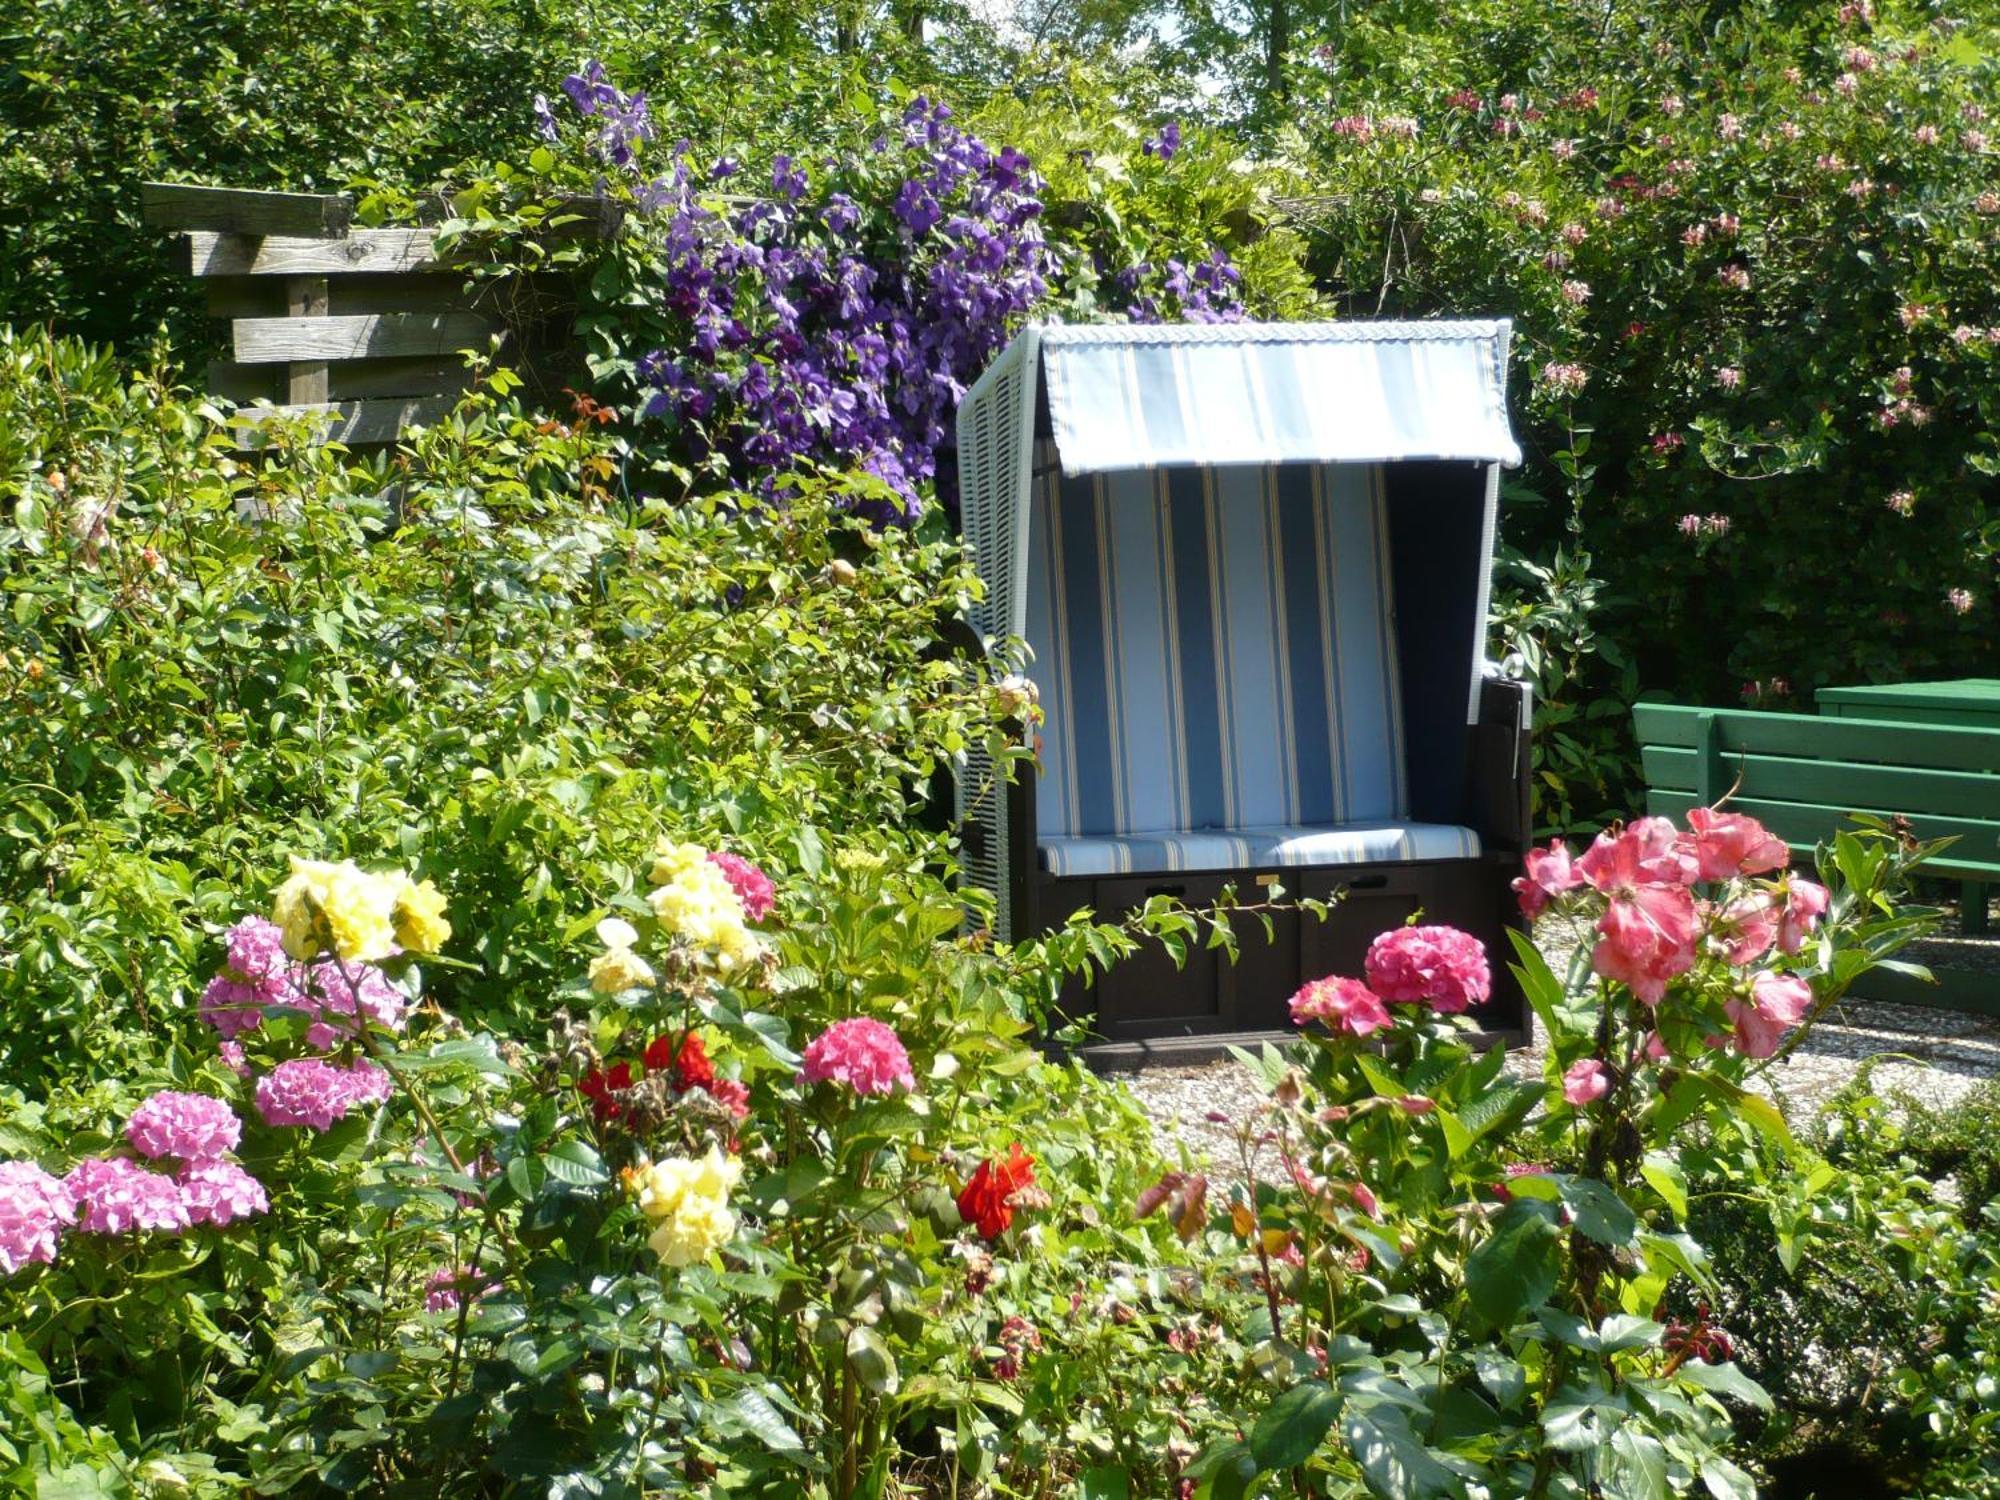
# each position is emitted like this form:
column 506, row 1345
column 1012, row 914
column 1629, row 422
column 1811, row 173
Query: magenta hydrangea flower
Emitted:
column 192, row 1127
column 35, row 1208
column 115, row 1194
column 752, row 886
column 256, row 973
column 446, row 1289
column 1441, row 966
column 863, row 1054
column 220, row 1192
column 362, row 988
column 312, row 1092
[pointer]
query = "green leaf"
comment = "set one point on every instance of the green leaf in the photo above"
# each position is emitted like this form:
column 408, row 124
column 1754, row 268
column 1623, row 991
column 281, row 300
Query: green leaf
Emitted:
column 576, row 1163
column 1501, row 1375
column 1105, row 1482
column 1663, row 1174
column 1291, row 1431
column 1635, row 1468
column 763, row 1421
column 1600, row 1213
column 1516, row 1268
column 869, row 1357
column 1725, row 1481
column 1394, row 1464
column 1724, row 1380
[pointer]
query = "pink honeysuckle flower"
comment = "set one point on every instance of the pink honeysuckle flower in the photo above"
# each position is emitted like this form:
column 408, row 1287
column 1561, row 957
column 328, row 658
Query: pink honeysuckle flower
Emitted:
column 1804, row 904
column 1546, row 874
column 1585, row 1082
column 1777, row 1003
column 1724, row 845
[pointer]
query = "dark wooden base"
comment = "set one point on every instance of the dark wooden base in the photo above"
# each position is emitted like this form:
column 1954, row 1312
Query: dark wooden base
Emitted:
column 1148, row 998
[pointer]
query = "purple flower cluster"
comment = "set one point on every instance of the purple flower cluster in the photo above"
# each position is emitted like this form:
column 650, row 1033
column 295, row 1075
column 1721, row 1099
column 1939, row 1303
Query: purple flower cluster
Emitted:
column 312, row 1092
column 258, row 973
column 1207, row 292
column 447, row 1289
column 840, row 321
column 35, row 1208
column 190, row 1127
column 117, row 1195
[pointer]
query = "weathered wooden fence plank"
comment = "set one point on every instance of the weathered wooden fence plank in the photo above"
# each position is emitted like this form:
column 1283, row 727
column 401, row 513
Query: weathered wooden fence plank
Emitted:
column 405, row 375
column 182, row 205
column 402, row 251
column 262, row 340
column 354, row 422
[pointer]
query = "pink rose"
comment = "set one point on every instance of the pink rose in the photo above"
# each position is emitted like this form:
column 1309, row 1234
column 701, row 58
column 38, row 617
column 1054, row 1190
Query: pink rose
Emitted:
column 1585, row 1082
column 1747, row 928
column 1723, row 845
column 1805, row 904
column 1777, row 1003
column 1547, row 874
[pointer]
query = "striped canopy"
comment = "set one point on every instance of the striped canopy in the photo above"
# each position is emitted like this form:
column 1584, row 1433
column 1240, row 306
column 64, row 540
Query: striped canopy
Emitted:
column 1150, row 396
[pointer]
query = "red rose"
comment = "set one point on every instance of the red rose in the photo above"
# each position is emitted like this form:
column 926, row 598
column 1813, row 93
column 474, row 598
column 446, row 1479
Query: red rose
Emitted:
column 987, row 1199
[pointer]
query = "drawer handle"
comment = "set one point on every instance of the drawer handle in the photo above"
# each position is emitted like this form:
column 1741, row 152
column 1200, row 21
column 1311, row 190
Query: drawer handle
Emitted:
column 1165, row 890
column 1368, row 883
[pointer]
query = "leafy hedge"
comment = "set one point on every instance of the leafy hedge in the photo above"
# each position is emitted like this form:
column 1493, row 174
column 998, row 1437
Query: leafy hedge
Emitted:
column 1753, row 258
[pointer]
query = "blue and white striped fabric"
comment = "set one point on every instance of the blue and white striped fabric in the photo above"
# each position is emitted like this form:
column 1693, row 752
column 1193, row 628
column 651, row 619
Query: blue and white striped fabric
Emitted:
column 1258, row 848
column 1216, row 653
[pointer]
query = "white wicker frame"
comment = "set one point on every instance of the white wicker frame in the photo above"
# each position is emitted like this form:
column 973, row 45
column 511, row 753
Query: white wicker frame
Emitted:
column 996, row 440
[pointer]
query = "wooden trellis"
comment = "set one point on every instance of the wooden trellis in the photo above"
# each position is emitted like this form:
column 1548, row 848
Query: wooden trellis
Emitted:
column 364, row 326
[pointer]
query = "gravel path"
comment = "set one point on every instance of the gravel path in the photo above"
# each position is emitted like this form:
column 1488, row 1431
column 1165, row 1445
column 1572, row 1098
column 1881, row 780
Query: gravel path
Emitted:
column 1938, row 1056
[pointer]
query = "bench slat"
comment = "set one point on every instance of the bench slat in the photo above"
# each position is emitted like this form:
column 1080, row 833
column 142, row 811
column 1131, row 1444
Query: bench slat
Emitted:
column 1976, row 855
column 1809, row 737
column 1836, row 784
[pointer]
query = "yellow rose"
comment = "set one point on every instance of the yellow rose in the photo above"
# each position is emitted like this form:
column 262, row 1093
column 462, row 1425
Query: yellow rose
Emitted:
column 696, row 1231
column 340, row 908
column 617, row 970
column 419, row 914
column 664, row 1187
column 696, row 903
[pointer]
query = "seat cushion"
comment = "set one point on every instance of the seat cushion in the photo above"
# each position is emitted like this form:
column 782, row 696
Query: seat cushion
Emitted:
column 1215, row 648
column 1257, row 848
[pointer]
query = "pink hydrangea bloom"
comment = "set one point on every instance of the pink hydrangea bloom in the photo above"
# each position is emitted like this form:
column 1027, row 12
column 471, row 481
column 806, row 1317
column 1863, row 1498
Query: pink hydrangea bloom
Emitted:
column 1777, row 1003
column 192, row 1127
column 1805, row 903
column 1585, row 1082
column 1724, row 845
column 361, row 988
column 256, row 973
column 1439, row 965
column 312, row 1092
column 220, row 1192
column 115, row 1194
column 1345, row 1006
column 35, row 1208
column 863, row 1054
column 446, row 1289
column 1547, row 874
column 752, row 886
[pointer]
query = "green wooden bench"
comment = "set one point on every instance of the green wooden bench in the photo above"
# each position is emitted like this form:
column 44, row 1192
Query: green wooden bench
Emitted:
column 1801, row 776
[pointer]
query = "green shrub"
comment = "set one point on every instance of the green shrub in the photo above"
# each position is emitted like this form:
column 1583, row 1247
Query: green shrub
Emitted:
column 483, row 649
